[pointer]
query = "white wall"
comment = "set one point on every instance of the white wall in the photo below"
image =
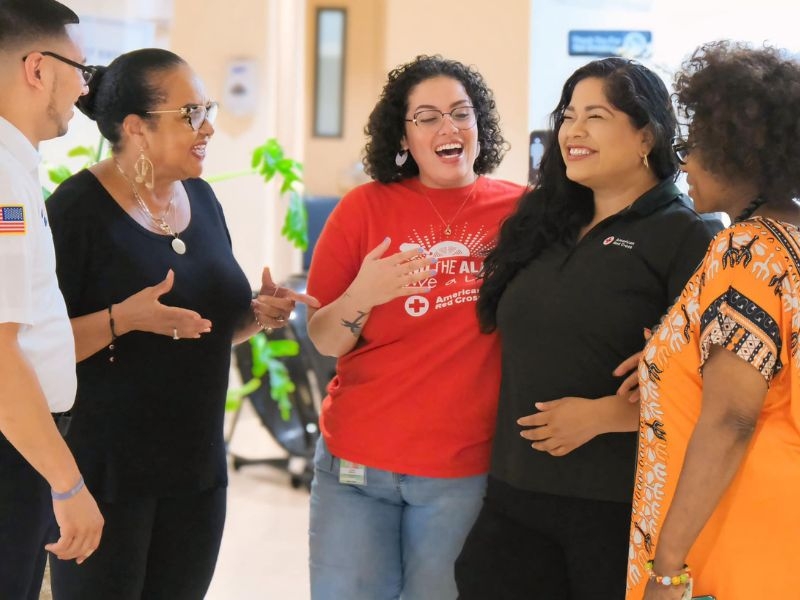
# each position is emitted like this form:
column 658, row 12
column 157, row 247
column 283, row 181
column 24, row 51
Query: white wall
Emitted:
column 678, row 26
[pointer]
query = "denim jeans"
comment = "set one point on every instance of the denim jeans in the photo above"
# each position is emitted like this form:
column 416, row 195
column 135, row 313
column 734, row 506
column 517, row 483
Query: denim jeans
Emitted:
column 396, row 536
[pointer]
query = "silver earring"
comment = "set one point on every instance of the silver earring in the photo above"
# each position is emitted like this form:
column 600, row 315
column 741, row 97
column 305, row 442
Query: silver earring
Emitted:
column 401, row 157
column 143, row 167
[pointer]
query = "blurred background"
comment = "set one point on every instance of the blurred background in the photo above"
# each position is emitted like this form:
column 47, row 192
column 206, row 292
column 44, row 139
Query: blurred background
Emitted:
column 307, row 73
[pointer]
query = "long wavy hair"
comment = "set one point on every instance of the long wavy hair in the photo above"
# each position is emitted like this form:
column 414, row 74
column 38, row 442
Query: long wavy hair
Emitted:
column 555, row 209
column 386, row 126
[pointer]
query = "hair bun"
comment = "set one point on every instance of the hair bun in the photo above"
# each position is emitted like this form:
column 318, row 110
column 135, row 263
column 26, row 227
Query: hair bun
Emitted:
column 87, row 103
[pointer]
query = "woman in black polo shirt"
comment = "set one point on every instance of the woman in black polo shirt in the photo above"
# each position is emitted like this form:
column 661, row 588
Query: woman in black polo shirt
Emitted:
column 595, row 254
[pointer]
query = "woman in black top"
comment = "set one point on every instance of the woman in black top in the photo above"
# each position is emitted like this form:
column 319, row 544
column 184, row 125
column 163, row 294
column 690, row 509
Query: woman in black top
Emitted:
column 595, row 253
column 156, row 298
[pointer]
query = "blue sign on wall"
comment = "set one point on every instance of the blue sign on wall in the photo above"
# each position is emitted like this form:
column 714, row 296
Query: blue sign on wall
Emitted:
column 630, row 44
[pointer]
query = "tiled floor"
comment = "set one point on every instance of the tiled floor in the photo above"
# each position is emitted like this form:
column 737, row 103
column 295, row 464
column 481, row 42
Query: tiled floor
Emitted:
column 264, row 551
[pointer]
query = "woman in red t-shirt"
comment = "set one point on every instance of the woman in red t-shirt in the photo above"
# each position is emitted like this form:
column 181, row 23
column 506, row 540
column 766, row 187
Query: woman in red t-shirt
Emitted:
column 407, row 425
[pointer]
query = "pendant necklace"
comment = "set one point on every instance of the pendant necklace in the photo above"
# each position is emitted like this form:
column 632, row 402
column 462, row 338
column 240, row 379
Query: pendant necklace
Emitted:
column 447, row 224
column 178, row 245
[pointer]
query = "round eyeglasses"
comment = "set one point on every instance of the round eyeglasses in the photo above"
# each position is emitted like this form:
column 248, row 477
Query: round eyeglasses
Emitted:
column 86, row 71
column 463, row 117
column 681, row 148
column 195, row 114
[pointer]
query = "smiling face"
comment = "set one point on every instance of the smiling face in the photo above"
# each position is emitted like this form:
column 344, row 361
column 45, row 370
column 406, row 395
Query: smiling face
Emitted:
column 599, row 144
column 445, row 153
column 176, row 150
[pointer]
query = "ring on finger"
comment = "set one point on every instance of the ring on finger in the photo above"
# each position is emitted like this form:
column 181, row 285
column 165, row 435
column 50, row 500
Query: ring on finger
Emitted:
column 175, row 335
column 268, row 330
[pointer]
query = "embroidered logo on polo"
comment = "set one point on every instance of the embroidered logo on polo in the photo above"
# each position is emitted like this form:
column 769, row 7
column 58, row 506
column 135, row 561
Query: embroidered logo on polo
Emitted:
column 460, row 260
column 615, row 241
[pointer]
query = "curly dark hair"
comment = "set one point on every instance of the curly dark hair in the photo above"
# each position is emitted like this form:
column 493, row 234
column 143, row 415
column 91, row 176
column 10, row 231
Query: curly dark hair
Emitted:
column 386, row 125
column 556, row 208
column 741, row 105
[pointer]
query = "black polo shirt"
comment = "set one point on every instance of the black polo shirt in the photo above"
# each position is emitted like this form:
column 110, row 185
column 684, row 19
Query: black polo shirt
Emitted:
column 571, row 316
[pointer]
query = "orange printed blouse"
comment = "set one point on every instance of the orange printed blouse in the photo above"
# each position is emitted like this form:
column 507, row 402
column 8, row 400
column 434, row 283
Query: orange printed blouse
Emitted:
column 744, row 297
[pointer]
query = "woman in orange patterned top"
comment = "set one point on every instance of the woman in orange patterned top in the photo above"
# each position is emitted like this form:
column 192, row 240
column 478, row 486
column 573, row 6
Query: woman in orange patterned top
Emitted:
column 718, row 479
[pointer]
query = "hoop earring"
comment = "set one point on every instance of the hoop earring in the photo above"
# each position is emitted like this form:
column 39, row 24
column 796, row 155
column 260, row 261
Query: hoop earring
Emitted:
column 401, row 157
column 143, row 167
column 645, row 162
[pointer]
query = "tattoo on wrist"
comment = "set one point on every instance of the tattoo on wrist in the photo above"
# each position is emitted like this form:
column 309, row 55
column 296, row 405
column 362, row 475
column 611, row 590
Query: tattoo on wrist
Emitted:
column 355, row 325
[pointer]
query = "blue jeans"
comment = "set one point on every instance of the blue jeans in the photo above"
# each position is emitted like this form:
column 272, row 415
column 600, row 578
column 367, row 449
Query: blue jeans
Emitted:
column 395, row 536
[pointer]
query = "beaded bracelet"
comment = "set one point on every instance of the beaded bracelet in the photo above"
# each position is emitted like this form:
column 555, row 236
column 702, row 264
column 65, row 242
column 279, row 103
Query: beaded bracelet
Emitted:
column 68, row 494
column 684, row 578
column 113, row 334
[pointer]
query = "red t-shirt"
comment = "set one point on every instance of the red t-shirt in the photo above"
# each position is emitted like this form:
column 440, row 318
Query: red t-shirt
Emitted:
column 418, row 395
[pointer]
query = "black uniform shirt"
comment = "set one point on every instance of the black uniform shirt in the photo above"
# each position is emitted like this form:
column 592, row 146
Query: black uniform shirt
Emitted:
column 570, row 317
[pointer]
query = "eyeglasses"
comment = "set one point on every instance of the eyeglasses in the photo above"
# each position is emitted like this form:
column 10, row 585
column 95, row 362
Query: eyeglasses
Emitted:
column 681, row 148
column 87, row 72
column 463, row 117
column 195, row 114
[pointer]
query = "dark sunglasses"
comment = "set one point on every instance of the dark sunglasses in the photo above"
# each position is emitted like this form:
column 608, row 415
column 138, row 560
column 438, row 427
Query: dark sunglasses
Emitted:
column 195, row 114
column 86, row 72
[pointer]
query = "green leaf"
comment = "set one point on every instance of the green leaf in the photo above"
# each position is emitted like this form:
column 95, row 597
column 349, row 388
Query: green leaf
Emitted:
column 280, row 387
column 58, row 174
column 279, row 348
column 274, row 150
column 235, row 396
column 260, row 353
column 295, row 225
column 85, row 151
column 258, row 155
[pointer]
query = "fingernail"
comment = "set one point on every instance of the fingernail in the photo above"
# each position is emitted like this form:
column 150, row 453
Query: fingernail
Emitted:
column 432, row 272
column 434, row 260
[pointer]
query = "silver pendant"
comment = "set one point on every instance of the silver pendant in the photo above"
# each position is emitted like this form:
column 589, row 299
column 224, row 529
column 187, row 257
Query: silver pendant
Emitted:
column 178, row 246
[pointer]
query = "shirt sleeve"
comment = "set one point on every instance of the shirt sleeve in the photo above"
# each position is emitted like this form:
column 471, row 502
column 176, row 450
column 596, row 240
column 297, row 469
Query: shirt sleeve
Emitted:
column 741, row 302
column 338, row 253
column 17, row 255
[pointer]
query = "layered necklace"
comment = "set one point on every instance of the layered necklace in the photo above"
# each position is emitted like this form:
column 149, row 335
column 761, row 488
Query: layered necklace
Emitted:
column 447, row 224
column 178, row 245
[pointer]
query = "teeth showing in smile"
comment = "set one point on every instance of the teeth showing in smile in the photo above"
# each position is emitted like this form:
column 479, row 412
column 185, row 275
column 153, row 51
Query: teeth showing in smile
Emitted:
column 199, row 150
column 452, row 149
column 579, row 152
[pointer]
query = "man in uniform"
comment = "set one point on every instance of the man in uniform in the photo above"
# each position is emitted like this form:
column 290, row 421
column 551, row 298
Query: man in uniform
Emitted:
column 41, row 77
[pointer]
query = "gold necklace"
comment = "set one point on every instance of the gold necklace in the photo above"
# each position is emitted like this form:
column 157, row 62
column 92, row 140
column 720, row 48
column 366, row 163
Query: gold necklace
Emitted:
column 447, row 230
column 178, row 245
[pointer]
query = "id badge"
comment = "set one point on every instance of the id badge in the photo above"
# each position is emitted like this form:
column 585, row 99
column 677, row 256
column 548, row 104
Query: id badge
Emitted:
column 352, row 473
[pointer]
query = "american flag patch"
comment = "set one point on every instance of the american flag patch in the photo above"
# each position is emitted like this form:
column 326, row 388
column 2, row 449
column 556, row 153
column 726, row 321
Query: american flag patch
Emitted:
column 12, row 219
